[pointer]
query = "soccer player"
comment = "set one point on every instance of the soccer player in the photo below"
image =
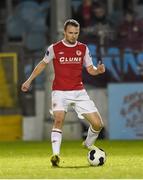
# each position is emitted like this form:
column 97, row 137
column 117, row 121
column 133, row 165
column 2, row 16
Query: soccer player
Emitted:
column 69, row 56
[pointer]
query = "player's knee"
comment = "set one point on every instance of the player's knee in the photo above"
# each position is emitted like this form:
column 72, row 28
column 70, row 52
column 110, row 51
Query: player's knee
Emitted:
column 58, row 122
column 98, row 126
column 101, row 125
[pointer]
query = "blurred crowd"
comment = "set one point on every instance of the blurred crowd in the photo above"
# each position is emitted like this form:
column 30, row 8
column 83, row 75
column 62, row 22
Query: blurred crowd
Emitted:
column 104, row 29
column 26, row 22
column 30, row 21
column 25, row 29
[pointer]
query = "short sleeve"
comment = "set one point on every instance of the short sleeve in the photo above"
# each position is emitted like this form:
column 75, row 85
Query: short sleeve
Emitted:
column 87, row 58
column 49, row 55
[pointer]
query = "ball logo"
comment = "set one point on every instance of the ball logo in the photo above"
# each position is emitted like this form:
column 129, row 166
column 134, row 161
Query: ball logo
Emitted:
column 78, row 53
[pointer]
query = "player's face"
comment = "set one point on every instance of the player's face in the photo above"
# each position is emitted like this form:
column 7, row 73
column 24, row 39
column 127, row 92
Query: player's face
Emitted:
column 71, row 34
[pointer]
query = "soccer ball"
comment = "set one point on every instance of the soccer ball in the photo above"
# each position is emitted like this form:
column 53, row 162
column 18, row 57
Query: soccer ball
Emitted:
column 96, row 157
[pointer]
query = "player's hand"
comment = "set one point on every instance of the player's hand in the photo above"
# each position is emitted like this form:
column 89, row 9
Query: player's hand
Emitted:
column 25, row 86
column 100, row 68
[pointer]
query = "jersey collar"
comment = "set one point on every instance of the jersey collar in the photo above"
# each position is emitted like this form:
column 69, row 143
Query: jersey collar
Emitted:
column 69, row 45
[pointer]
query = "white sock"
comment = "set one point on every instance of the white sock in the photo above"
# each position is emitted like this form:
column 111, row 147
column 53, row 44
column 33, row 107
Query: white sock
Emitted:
column 56, row 138
column 92, row 135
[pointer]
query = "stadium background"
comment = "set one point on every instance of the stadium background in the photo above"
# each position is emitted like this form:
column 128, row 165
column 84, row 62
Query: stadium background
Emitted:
column 27, row 27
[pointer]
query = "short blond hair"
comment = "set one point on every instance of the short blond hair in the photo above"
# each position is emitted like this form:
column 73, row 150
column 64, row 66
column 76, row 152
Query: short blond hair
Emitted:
column 71, row 22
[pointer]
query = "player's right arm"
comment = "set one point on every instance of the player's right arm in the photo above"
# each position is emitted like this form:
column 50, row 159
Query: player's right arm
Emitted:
column 37, row 70
column 49, row 55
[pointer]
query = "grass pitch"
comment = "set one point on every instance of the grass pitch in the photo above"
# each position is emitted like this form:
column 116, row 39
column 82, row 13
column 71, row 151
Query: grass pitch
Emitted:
column 22, row 160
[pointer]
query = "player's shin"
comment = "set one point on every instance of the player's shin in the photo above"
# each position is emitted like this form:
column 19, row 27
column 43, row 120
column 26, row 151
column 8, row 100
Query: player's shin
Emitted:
column 92, row 135
column 56, row 139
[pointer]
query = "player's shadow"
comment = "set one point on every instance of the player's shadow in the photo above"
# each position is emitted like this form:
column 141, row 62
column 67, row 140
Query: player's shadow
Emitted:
column 77, row 167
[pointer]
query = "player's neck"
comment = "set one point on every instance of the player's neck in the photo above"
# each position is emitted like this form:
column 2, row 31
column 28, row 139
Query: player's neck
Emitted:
column 65, row 42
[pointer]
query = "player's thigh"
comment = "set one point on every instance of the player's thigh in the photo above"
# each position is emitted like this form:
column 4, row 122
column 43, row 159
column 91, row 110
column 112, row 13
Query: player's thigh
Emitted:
column 58, row 101
column 94, row 119
column 85, row 106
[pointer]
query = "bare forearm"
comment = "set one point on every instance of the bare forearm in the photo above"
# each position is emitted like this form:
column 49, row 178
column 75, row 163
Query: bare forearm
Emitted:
column 92, row 70
column 37, row 70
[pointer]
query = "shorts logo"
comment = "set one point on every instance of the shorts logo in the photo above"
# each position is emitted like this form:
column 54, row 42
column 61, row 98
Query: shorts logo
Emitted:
column 78, row 53
column 54, row 104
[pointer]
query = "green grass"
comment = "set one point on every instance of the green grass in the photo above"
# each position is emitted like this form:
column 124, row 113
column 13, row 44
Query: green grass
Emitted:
column 32, row 160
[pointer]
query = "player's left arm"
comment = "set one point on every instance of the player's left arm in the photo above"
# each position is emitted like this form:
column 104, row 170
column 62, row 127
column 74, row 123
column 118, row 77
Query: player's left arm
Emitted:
column 92, row 70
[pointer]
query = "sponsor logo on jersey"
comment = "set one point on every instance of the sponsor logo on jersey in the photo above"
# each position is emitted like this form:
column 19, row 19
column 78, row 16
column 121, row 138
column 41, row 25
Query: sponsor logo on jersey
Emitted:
column 78, row 53
column 70, row 60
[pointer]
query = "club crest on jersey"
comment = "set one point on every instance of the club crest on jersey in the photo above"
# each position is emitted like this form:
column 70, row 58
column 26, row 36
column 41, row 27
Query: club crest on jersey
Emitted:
column 78, row 52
